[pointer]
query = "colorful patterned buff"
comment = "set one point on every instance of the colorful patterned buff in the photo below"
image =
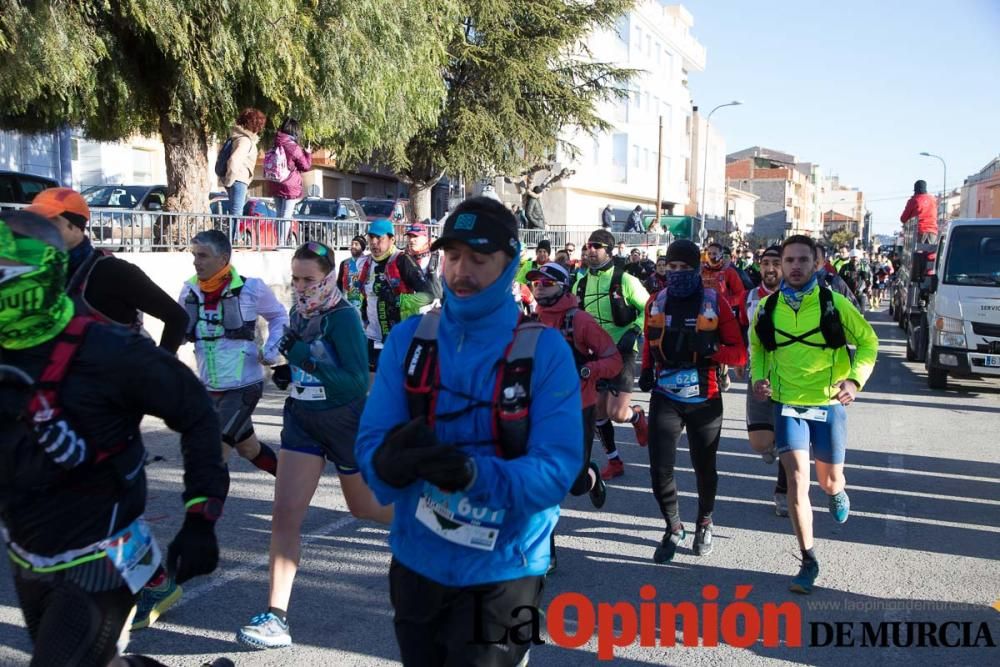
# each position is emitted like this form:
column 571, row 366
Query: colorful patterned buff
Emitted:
column 34, row 307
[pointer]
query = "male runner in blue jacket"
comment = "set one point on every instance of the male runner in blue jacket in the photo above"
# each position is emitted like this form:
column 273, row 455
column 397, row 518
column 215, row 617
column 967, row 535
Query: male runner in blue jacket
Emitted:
column 474, row 505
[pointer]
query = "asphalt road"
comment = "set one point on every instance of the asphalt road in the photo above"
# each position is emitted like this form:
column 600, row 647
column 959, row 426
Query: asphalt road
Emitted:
column 922, row 544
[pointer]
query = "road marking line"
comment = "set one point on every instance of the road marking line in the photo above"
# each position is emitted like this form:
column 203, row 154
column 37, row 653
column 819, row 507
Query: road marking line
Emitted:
column 219, row 580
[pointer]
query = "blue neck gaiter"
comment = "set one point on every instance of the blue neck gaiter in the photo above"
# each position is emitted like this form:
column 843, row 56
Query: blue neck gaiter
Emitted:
column 78, row 255
column 794, row 297
column 682, row 284
column 482, row 306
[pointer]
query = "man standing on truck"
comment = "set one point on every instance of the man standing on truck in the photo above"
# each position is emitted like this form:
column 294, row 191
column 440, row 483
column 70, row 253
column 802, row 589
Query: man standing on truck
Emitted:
column 923, row 207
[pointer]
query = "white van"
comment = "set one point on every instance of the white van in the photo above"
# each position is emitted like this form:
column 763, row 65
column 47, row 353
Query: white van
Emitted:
column 963, row 311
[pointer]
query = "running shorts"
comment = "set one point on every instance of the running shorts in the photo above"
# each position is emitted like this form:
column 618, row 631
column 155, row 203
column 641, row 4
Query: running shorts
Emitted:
column 828, row 439
column 235, row 409
column 326, row 433
column 760, row 414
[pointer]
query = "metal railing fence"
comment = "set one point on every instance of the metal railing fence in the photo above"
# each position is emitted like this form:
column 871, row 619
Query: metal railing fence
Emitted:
column 149, row 231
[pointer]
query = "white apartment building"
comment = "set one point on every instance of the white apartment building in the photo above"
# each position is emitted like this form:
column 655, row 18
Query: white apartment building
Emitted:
column 620, row 167
column 714, row 176
column 70, row 158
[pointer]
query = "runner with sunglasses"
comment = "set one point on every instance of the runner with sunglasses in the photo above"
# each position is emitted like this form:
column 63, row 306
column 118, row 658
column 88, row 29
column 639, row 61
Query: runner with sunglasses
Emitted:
column 327, row 379
column 596, row 359
column 617, row 300
column 393, row 288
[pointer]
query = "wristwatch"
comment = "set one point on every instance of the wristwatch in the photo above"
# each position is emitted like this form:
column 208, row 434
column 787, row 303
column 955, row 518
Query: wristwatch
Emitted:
column 585, row 373
column 209, row 508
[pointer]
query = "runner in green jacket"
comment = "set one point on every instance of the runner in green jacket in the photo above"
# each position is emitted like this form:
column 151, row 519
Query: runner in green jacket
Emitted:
column 799, row 359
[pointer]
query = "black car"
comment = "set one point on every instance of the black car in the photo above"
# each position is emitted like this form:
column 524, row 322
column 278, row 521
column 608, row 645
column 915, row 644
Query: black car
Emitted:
column 20, row 188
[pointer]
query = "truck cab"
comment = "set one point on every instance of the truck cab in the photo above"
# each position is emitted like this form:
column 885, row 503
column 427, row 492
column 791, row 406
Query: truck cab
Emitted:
column 961, row 327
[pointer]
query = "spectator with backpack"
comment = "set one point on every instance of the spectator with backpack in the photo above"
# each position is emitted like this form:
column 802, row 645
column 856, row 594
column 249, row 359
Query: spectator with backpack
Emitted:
column 237, row 160
column 283, row 165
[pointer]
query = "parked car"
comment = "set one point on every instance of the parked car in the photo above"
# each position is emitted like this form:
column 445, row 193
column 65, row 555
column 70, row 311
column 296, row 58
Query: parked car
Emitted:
column 330, row 221
column 315, row 208
column 121, row 215
column 259, row 228
column 400, row 211
column 20, row 188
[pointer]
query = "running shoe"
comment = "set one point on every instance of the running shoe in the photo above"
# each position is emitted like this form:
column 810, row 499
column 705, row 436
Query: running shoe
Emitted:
column 668, row 546
column 703, row 539
column 615, row 468
column 781, row 504
column 641, row 427
column 154, row 602
column 840, row 506
column 803, row 581
column 265, row 631
column 599, row 493
column 219, row 662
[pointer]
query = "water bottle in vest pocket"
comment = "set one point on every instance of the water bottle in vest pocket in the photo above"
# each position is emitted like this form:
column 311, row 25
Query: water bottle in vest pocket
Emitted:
column 707, row 326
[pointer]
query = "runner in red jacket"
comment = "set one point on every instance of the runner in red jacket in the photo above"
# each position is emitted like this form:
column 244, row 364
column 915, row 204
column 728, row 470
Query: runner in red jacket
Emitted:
column 720, row 275
column 597, row 357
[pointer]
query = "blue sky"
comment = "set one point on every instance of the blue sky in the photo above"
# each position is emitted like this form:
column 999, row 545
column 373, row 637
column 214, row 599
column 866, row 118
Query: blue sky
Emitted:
column 858, row 87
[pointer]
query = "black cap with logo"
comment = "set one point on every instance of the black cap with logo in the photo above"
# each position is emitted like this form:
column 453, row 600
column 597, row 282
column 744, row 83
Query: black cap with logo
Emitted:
column 483, row 224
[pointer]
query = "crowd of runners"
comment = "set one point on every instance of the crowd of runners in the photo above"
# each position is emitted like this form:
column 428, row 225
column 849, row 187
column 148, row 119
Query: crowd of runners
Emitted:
column 445, row 381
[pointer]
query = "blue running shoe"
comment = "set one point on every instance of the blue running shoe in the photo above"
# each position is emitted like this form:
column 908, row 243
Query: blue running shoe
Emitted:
column 803, row 581
column 840, row 506
column 265, row 631
column 154, row 601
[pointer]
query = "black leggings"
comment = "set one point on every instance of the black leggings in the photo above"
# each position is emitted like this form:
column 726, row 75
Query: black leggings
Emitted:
column 68, row 625
column 582, row 483
column 667, row 418
column 436, row 624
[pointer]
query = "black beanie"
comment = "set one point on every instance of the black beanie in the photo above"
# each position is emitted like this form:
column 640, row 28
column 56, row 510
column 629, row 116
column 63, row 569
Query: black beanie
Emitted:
column 602, row 236
column 685, row 251
column 920, row 188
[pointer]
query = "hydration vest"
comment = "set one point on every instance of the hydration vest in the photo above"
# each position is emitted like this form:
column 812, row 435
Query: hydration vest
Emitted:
column 511, row 391
column 45, row 405
column 230, row 316
column 393, row 286
column 676, row 343
column 566, row 329
column 622, row 313
column 830, row 325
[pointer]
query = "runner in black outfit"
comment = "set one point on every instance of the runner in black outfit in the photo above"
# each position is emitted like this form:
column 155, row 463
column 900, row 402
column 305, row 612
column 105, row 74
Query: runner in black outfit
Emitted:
column 72, row 483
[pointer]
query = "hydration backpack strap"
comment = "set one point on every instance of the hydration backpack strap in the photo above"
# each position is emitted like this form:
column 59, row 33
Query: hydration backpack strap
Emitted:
column 44, row 404
column 421, row 371
column 829, row 320
column 512, row 392
column 765, row 322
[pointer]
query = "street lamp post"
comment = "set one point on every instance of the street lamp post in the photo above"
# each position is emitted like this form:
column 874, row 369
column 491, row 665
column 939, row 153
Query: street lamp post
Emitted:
column 702, row 233
column 944, row 184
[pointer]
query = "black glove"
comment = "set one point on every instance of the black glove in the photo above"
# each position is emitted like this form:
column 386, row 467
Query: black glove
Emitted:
column 647, row 380
column 396, row 458
column 447, row 468
column 194, row 550
column 281, row 376
column 61, row 443
column 288, row 341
